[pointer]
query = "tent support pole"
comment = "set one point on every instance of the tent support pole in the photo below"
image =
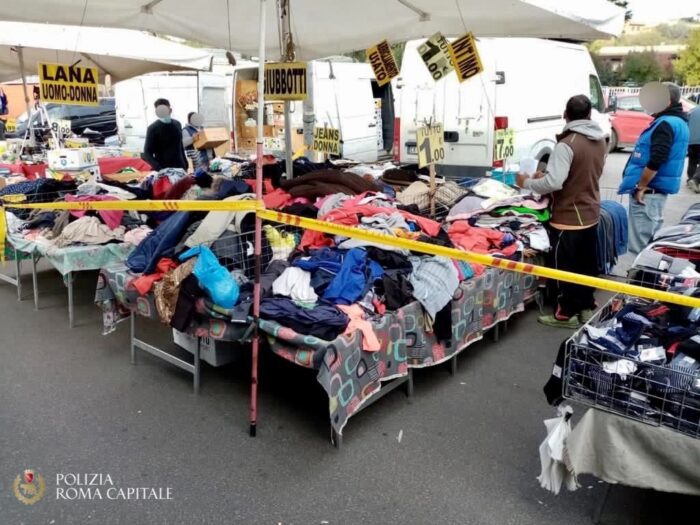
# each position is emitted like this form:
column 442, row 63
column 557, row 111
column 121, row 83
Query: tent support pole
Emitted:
column 20, row 56
column 258, row 226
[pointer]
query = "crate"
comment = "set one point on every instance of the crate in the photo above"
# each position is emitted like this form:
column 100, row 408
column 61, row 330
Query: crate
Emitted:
column 216, row 353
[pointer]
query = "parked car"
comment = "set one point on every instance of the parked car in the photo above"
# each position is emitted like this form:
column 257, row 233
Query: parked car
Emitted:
column 629, row 120
column 93, row 122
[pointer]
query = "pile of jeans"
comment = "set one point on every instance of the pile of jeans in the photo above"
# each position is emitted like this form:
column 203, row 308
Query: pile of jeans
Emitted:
column 641, row 359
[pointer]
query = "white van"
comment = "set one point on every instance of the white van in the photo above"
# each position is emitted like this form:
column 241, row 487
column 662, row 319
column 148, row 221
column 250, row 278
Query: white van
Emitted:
column 524, row 86
column 205, row 93
column 342, row 95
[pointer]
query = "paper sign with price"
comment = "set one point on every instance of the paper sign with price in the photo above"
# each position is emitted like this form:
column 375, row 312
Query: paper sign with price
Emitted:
column 431, row 145
column 11, row 125
column 61, row 127
column 503, row 144
column 435, row 53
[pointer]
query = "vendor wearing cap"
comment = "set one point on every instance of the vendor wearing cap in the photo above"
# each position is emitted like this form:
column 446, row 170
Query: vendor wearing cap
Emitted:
column 163, row 147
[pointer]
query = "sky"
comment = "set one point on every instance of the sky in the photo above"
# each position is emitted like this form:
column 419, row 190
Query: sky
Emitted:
column 657, row 11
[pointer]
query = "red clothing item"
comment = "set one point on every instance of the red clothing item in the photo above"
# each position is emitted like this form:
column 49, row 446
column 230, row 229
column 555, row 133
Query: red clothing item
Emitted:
column 478, row 240
column 349, row 216
column 178, row 189
column 112, row 218
column 161, row 187
column 144, row 283
column 277, row 199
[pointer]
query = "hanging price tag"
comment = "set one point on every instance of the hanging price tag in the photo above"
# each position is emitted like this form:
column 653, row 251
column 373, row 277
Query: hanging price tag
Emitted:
column 435, row 53
column 431, row 145
column 503, row 144
column 62, row 127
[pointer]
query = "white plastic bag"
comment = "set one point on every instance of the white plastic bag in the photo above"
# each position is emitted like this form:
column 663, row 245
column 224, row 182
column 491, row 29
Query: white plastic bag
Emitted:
column 556, row 468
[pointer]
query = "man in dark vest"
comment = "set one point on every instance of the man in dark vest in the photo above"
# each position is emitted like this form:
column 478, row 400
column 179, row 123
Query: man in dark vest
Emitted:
column 572, row 180
column 655, row 168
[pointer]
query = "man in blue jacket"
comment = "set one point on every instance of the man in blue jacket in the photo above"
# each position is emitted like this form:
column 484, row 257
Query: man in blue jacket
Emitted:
column 655, row 168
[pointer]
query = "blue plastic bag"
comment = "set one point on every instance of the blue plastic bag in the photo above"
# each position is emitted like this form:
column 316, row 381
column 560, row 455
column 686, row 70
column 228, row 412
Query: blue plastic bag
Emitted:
column 214, row 278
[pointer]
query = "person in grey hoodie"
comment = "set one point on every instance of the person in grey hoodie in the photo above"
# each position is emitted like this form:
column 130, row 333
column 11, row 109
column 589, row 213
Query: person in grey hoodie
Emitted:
column 694, row 150
column 572, row 181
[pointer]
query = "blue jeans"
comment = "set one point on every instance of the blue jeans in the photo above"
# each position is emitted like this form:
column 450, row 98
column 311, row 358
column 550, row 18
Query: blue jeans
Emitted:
column 645, row 220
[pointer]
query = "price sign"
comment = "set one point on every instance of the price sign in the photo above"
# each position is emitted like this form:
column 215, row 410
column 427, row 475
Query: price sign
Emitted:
column 326, row 140
column 431, row 145
column 435, row 53
column 503, row 144
column 62, row 127
column 11, row 125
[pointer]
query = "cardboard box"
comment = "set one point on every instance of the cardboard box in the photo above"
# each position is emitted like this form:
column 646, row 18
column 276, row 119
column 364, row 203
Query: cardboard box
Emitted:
column 246, row 144
column 247, row 132
column 278, row 107
column 210, row 138
column 216, row 353
column 71, row 158
column 268, row 131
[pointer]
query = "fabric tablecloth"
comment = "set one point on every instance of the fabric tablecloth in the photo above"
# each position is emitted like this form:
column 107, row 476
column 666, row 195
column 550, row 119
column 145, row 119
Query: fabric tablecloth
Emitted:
column 620, row 450
column 74, row 258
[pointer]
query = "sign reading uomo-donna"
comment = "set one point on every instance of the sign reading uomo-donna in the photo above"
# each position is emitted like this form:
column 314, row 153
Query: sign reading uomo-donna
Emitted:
column 326, row 140
column 66, row 84
column 285, row 81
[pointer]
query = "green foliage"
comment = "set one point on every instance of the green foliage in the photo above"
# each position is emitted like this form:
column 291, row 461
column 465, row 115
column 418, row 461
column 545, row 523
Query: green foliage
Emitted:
column 641, row 68
column 607, row 76
column 688, row 63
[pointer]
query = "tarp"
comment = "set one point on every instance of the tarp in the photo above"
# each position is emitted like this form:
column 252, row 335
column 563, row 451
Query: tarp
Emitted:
column 120, row 52
column 328, row 27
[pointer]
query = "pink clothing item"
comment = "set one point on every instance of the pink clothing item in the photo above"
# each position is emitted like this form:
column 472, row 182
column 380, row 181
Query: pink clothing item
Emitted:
column 112, row 218
column 137, row 235
column 479, row 240
column 277, row 199
column 370, row 343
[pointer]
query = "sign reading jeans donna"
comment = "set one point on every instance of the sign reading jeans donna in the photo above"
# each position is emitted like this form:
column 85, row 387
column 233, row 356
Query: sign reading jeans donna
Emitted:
column 66, row 84
column 285, row 81
column 383, row 62
column 326, row 140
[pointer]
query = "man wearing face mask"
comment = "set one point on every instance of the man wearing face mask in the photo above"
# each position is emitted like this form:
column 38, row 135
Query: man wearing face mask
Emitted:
column 655, row 168
column 195, row 124
column 163, row 147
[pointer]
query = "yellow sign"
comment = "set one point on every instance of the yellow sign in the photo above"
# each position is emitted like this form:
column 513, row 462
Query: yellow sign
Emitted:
column 431, row 145
column 503, row 144
column 285, row 81
column 66, row 84
column 11, row 125
column 383, row 62
column 61, row 127
column 29, row 488
column 465, row 57
column 435, row 53
column 326, row 140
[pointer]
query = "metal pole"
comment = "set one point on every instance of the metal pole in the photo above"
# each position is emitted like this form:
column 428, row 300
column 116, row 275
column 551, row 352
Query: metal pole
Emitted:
column 20, row 55
column 289, row 149
column 258, row 226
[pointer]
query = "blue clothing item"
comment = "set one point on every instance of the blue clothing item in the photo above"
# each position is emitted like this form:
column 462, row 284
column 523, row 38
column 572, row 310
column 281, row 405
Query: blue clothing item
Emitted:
column 352, row 282
column 619, row 216
column 323, row 321
column 645, row 220
column 231, row 187
column 221, row 287
column 694, row 126
column 668, row 177
column 158, row 244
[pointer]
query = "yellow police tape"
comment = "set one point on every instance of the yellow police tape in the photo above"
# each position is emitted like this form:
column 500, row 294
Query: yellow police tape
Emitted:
column 357, row 233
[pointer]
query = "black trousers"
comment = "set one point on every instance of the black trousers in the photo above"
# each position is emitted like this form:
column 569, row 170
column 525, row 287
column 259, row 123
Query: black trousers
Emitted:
column 694, row 162
column 574, row 251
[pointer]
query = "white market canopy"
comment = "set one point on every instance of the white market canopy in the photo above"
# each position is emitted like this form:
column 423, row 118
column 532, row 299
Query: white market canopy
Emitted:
column 121, row 53
column 327, row 27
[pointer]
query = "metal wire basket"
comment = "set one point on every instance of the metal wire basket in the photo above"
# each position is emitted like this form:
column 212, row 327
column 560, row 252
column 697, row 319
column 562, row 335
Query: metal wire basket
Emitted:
column 645, row 387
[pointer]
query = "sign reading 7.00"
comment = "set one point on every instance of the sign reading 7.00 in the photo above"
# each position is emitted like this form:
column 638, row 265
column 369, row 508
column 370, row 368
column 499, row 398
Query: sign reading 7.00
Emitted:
column 431, row 145
column 503, row 144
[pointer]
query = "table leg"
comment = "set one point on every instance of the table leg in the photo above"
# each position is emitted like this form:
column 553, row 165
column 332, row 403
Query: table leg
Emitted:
column 132, row 336
column 254, row 385
column 69, row 284
column 599, row 510
column 18, row 273
column 453, row 365
column 197, row 365
column 35, row 282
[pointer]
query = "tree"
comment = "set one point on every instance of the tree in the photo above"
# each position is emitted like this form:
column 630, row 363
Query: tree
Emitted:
column 623, row 4
column 607, row 76
column 688, row 63
column 641, row 68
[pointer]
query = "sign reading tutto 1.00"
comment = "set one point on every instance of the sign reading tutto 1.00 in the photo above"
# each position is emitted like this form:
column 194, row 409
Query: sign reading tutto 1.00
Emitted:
column 66, row 84
column 285, row 81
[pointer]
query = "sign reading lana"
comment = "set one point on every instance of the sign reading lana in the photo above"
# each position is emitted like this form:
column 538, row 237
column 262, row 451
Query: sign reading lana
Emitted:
column 383, row 62
column 326, row 140
column 465, row 57
column 66, row 84
column 285, row 81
